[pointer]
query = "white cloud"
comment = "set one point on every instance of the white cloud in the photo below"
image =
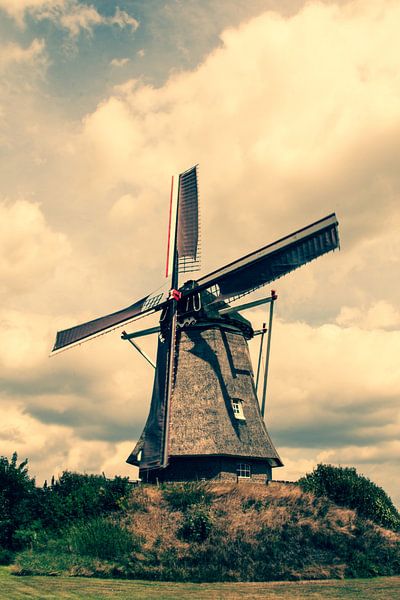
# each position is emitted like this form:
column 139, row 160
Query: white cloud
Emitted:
column 119, row 62
column 16, row 8
column 124, row 210
column 52, row 449
column 366, row 454
column 11, row 53
column 122, row 19
column 380, row 315
column 321, row 373
column 304, row 127
column 71, row 15
column 29, row 250
column 76, row 17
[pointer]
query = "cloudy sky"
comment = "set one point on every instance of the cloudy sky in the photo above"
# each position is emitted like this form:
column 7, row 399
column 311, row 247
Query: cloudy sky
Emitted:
column 292, row 111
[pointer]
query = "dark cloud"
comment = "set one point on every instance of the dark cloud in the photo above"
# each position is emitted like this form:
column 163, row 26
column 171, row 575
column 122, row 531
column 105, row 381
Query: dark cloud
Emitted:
column 361, row 421
column 91, row 425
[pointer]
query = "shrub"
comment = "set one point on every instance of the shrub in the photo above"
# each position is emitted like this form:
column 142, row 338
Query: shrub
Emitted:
column 344, row 486
column 196, row 525
column 102, row 538
column 26, row 511
column 6, row 556
column 252, row 504
column 74, row 497
column 181, row 496
column 17, row 500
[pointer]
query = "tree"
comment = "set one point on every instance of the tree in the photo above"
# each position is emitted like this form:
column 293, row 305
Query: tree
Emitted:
column 17, row 500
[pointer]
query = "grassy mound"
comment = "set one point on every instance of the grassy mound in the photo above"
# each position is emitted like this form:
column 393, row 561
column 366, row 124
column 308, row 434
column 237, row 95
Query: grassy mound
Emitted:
column 220, row 532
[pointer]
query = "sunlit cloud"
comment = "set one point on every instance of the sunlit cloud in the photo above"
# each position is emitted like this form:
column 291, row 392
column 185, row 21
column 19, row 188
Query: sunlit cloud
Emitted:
column 119, row 62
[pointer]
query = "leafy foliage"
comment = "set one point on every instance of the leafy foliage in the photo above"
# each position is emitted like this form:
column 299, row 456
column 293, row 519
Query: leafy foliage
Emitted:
column 344, row 486
column 181, row 496
column 6, row 556
column 75, row 497
column 17, row 503
column 26, row 511
column 196, row 525
column 102, row 538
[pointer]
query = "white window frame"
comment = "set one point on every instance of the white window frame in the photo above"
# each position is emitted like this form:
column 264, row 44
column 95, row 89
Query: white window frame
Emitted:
column 237, row 407
column 243, row 471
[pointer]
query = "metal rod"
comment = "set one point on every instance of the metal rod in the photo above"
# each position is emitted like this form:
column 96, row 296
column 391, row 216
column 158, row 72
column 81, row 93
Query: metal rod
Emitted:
column 141, row 333
column 225, row 311
column 263, row 330
column 124, row 334
column 271, row 314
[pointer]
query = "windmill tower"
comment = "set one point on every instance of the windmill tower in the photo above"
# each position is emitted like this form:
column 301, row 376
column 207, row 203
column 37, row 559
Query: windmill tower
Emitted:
column 204, row 419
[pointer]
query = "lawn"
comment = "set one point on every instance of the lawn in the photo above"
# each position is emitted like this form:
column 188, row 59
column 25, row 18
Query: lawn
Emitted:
column 15, row 588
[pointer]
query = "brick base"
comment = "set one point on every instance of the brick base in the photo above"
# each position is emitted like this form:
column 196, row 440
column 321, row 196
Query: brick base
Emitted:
column 222, row 468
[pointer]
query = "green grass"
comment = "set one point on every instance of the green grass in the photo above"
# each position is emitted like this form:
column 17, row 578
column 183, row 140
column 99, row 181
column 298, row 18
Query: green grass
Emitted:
column 66, row 588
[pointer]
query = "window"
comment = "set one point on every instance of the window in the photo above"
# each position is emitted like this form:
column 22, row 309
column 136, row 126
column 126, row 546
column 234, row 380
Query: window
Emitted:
column 243, row 470
column 237, row 407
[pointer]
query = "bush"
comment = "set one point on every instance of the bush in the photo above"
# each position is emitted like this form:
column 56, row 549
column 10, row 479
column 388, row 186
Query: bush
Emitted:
column 26, row 511
column 102, row 538
column 344, row 486
column 17, row 500
column 6, row 556
column 74, row 497
column 181, row 496
column 196, row 525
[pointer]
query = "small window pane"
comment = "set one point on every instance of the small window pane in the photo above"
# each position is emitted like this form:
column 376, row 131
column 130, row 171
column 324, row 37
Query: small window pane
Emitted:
column 237, row 408
column 243, row 470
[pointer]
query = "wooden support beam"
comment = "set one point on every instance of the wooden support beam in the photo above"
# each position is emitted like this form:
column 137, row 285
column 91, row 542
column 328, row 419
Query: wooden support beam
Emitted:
column 262, row 332
column 135, row 334
column 124, row 336
column 230, row 309
column 271, row 314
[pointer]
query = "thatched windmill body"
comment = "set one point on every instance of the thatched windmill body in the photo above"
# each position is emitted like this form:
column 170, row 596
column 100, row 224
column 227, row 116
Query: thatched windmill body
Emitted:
column 204, row 419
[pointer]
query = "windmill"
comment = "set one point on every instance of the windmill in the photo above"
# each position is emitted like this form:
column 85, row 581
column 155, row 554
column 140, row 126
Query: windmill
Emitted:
column 204, row 419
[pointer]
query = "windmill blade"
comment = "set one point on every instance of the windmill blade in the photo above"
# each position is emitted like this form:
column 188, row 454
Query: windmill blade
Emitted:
column 184, row 229
column 83, row 332
column 271, row 262
column 188, row 229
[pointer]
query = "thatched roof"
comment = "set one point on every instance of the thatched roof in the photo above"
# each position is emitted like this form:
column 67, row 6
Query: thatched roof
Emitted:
column 214, row 367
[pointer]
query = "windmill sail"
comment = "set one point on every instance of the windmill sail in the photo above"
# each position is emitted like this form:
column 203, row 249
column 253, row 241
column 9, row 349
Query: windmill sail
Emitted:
column 184, row 230
column 83, row 332
column 188, row 222
column 273, row 261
